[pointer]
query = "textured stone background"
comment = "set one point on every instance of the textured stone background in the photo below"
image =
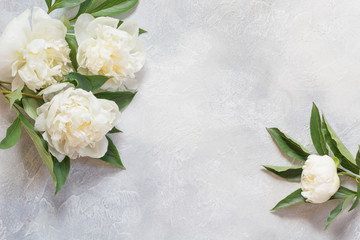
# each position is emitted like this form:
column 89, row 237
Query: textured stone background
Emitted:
column 218, row 73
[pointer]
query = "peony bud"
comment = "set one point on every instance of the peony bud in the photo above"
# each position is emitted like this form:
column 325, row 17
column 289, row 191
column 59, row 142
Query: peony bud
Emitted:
column 319, row 179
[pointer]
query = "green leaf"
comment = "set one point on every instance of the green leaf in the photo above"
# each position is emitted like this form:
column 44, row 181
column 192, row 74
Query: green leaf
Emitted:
column 115, row 130
column 71, row 30
column 357, row 159
column 290, row 173
column 48, row 3
column 65, row 21
column 119, row 24
column 58, row 171
column 122, row 99
column 112, row 155
column 316, row 132
column 73, row 45
column 88, row 83
column 113, row 7
column 292, row 199
column 343, row 193
column 12, row 97
column 87, row 6
column 289, row 146
column 337, row 161
column 338, row 148
column 61, row 171
column 142, row 31
column 39, row 144
column 334, row 213
column 31, row 105
column 357, row 198
column 65, row 4
column 13, row 134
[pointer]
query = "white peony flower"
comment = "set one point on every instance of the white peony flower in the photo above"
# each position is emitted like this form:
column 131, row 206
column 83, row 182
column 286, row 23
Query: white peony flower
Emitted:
column 319, row 179
column 34, row 52
column 107, row 50
column 75, row 123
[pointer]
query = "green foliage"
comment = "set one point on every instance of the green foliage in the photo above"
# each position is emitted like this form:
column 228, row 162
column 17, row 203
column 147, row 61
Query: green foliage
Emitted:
column 356, row 202
column 316, row 132
column 31, row 105
column 88, row 83
column 13, row 134
column 112, row 155
column 336, row 161
column 39, row 143
column 289, row 146
column 71, row 30
column 14, row 96
column 122, row 99
column 292, row 199
column 289, row 173
column 343, row 193
column 61, row 171
column 106, row 8
column 357, row 159
column 115, row 130
column 339, row 208
column 65, row 21
column 113, row 7
column 73, row 45
column 58, row 170
column 48, row 3
column 87, row 6
column 338, row 148
column 65, row 4
column 142, row 31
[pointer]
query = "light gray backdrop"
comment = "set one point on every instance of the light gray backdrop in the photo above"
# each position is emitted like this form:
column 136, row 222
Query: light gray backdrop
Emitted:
column 218, row 72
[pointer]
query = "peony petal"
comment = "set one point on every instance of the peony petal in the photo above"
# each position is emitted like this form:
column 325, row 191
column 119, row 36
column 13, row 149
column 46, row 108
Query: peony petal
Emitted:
column 15, row 37
column 98, row 151
column 40, row 123
column 50, row 29
column 131, row 83
column 29, row 77
column 81, row 28
column 131, row 28
column 106, row 21
column 49, row 92
column 17, row 83
column 39, row 15
column 59, row 156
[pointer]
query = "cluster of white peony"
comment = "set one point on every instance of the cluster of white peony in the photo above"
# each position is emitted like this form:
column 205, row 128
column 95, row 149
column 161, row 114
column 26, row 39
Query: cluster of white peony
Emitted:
column 34, row 53
column 75, row 123
column 107, row 50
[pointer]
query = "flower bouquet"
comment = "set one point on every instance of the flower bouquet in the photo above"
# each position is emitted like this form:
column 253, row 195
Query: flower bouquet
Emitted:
column 69, row 79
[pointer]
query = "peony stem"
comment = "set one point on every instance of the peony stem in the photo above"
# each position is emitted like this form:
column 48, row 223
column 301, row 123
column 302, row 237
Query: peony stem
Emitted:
column 9, row 83
column 50, row 9
column 348, row 174
column 4, row 87
column 24, row 94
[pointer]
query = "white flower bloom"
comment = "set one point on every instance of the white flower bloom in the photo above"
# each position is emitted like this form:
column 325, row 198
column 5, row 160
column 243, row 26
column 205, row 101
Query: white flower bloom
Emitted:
column 50, row 92
column 107, row 50
column 75, row 123
column 319, row 179
column 34, row 52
